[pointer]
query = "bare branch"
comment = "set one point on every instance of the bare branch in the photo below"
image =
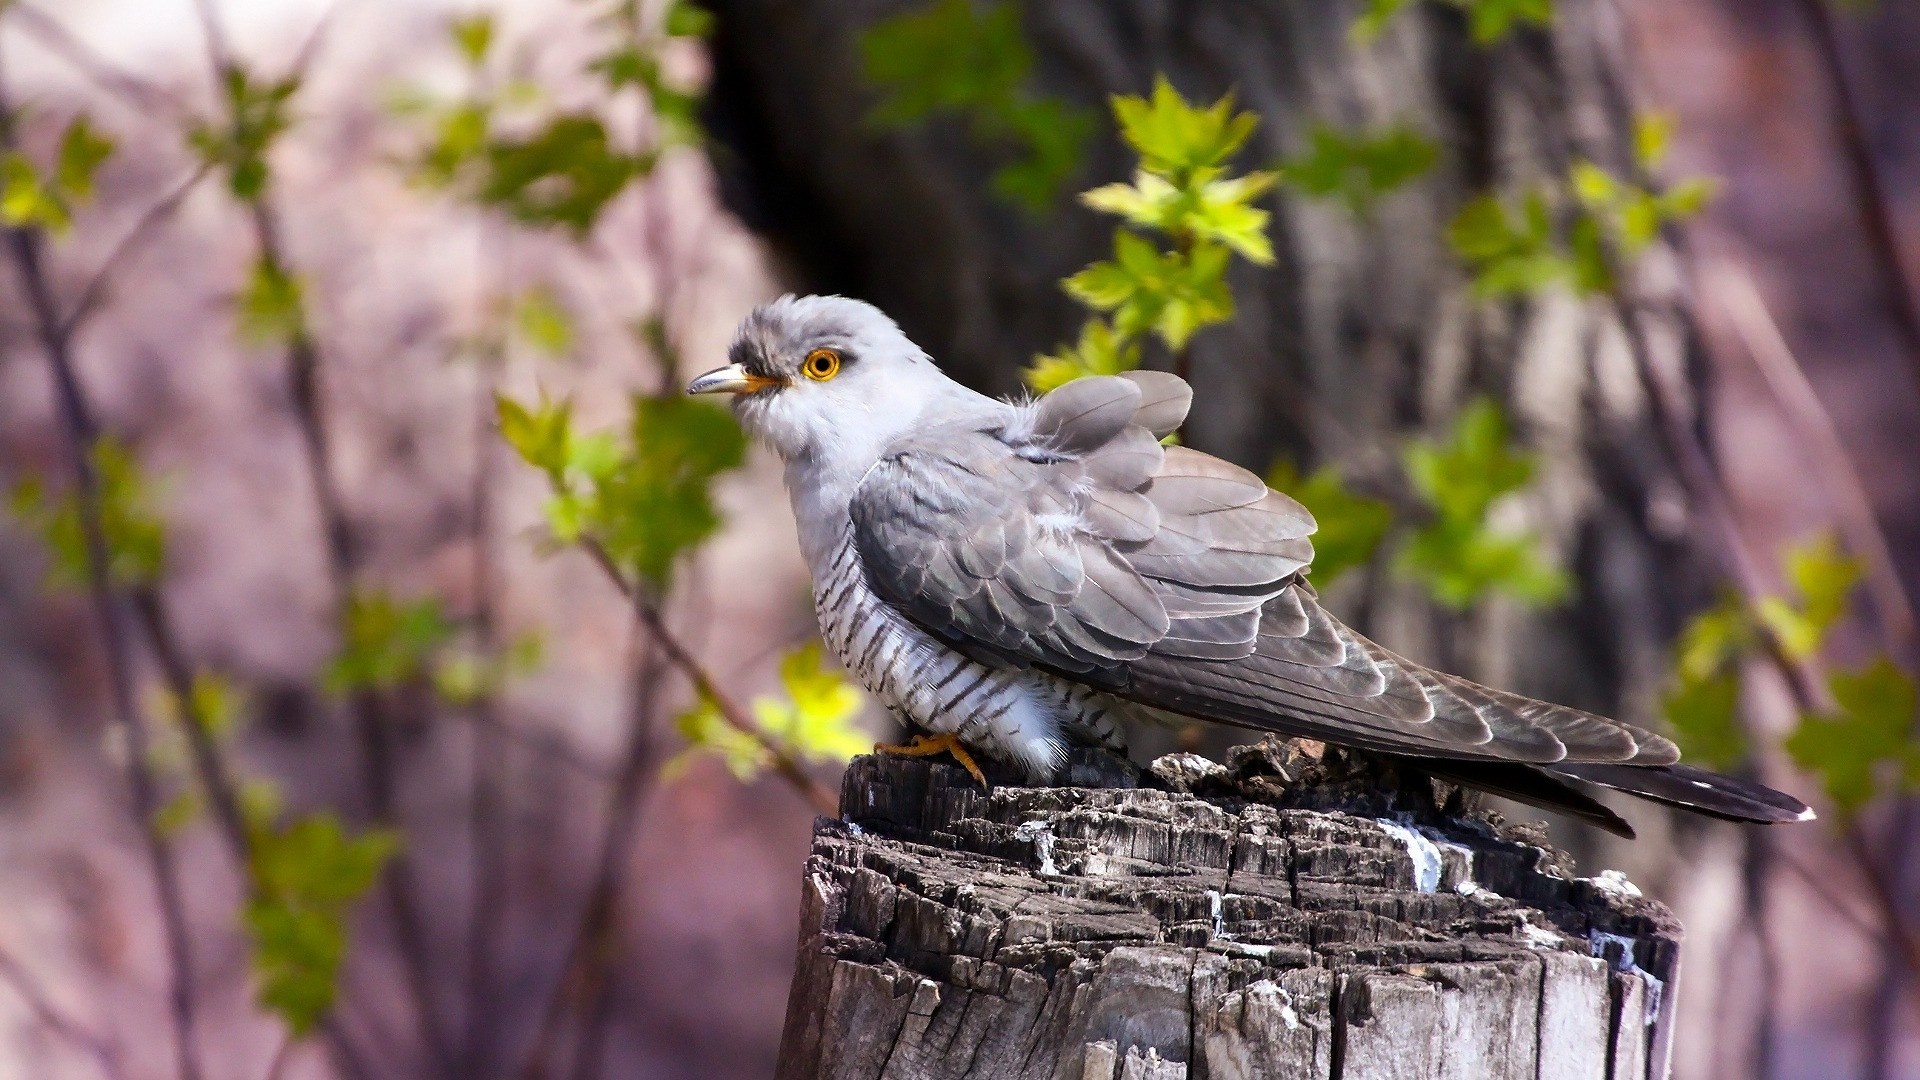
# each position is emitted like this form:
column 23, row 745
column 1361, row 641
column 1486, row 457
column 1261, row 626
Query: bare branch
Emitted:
column 136, row 93
column 27, row 248
column 96, row 288
column 1869, row 194
column 1840, row 481
column 704, row 685
column 105, row 1053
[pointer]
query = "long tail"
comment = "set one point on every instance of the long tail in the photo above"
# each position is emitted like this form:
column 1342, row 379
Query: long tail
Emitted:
column 1693, row 789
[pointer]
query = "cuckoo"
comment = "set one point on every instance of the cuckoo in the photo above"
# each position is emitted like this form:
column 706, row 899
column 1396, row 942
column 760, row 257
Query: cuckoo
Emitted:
column 1015, row 577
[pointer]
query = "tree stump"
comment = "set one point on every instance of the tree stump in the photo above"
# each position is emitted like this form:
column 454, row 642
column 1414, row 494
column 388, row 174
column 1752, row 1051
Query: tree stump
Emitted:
column 1194, row 920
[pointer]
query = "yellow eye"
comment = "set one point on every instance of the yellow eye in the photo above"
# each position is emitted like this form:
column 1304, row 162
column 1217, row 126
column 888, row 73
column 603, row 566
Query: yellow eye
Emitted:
column 821, row 365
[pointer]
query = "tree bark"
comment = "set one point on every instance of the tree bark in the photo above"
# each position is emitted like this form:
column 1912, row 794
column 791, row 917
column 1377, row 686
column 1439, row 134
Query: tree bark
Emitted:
column 1363, row 333
column 1151, row 934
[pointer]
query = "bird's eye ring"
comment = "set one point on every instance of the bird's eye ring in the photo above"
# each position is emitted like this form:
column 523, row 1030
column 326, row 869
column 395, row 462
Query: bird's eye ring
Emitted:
column 821, row 365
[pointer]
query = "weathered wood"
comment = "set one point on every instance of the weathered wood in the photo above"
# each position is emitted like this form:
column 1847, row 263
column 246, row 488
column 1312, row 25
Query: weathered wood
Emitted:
column 1127, row 932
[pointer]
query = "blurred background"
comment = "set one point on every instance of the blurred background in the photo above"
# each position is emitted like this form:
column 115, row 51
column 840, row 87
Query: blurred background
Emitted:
column 399, row 678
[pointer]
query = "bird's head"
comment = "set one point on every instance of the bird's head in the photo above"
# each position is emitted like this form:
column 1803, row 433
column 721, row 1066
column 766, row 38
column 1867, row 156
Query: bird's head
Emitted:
column 823, row 376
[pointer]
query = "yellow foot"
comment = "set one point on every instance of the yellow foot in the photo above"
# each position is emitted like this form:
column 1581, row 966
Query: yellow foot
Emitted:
column 929, row 745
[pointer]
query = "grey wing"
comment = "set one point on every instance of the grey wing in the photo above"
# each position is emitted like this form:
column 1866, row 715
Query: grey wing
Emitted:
column 1069, row 538
column 1039, row 541
column 1312, row 676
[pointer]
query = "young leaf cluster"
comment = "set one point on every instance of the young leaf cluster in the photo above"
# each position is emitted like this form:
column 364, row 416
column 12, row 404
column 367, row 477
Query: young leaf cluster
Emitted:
column 136, row 538
column 1458, row 553
column 1517, row 247
column 258, row 111
column 644, row 500
column 813, row 722
column 1183, row 192
column 31, row 198
column 1863, row 748
column 1452, row 546
column 561, row 169
column 1359, row 169
column 305, row 878
column 950, row 58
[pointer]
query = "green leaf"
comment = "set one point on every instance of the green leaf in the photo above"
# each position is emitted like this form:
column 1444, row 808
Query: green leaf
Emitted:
column 271, row 309
column 1359, row 169
column 174, row 816
column 651, row 501
column 1049, row 139
column 25, row 200
column 813, row 722
column 82, row 151
column 948, row 56
column 542, row 436
column 1493, row 20
column 134, row 535
column 1100, row 351
column 1175, row 139
column 952, row 58
column 1461, row 476
column 256, row 114
column 1714, row 640
column 385, row 642
column 460, row 134
column 1823, row 577
column 816, row 720
column 1351, row 526
column 1170, row 293
column 1209, row 208
column 1652, row 138
column 687, row 20
column 1457, row 554
column 305, row 878
column 707, row 732
column 473, row 36
column 1510, row 250
column 1866, row 747
column 562, row 174
column 1373, row 21
column 543, row 322
column 1461, row 564
column 1704, row 713
column 213, row 702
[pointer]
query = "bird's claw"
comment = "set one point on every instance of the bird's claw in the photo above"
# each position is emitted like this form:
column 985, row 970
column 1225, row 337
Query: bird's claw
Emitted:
column 930, row 745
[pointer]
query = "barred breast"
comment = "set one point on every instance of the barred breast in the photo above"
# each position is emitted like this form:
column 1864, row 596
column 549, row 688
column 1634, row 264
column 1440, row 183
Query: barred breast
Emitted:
column 1026, row 717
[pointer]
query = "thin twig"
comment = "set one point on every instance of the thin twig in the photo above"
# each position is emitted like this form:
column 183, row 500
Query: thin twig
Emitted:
column 369, row 714
column 1884, row 895
column 1863, row 173
column 95, row 290
column 277, row 1065
column 105, row 1054
column 136, row 93
column 584, row 968
column 1841, row 485
column 82, row 435
column 1841, row 907
column 704, row 685
column 486, row 813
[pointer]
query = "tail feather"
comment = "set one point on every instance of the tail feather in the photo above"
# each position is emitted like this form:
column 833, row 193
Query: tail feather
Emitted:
column 1527, row 784
column 1693, row 789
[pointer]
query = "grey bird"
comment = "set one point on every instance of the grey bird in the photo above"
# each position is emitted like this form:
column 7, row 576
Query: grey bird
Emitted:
column 1016, row 577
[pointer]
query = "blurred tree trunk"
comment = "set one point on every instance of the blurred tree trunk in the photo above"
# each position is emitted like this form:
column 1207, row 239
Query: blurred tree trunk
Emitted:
column 1363, row 334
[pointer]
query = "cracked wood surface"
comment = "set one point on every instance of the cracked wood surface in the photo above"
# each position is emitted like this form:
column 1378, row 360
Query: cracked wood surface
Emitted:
column 1128, row 933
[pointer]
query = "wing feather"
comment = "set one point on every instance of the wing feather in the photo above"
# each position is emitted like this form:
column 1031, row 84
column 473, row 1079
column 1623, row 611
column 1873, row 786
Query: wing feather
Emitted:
column 1068, row 538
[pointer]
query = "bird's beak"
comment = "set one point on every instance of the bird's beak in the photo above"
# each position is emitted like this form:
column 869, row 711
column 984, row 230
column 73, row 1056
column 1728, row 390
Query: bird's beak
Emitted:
column 732, row 379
